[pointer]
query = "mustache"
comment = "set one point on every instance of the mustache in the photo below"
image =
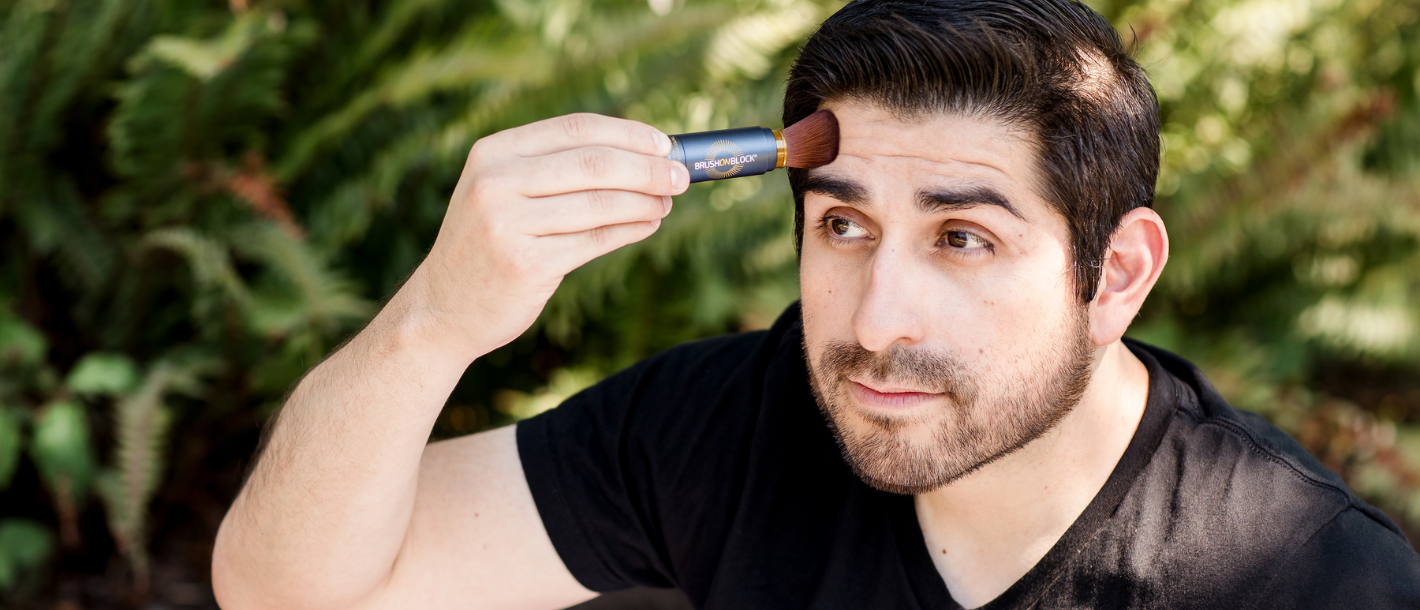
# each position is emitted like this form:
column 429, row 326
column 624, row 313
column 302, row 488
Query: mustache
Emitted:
column 931, row 371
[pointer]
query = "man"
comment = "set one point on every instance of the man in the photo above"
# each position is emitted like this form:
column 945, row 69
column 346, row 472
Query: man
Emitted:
column 949, row 419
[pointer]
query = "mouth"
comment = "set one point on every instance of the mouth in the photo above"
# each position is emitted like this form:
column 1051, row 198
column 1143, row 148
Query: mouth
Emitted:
column 885, row 396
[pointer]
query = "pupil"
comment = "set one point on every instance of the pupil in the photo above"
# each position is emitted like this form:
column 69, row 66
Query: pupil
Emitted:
column 840, row 226
column 958, row 239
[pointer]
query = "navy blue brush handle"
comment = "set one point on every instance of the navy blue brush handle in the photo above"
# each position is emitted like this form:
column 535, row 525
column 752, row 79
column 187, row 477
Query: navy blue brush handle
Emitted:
column 729, row 153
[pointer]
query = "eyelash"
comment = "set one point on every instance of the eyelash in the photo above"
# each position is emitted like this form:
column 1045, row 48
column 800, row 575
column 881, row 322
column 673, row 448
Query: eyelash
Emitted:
column 988, row 247
column 824, row 228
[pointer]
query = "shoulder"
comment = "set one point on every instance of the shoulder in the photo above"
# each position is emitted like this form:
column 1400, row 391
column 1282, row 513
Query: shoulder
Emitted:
column 701, row 370
column 1353, row 561
column 1224, row 444
column 700, row 389
column 635, row 477
column 1242, row 499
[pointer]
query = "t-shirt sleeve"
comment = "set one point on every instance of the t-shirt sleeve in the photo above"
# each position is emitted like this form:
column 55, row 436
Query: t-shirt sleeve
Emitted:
column 634, row 474
column 1352, row 562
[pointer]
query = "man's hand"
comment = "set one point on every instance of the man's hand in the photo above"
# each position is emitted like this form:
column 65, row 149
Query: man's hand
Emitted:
column 534, row 203
column 347, row 508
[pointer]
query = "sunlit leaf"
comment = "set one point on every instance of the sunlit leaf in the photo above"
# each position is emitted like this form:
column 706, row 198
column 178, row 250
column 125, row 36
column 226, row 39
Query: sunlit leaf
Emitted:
column 61, row 449
column 204, row 59
column 103, row 373
column 20, row 343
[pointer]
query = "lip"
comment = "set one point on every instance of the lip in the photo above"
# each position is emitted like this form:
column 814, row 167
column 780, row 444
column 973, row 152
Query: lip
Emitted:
column 889, row 397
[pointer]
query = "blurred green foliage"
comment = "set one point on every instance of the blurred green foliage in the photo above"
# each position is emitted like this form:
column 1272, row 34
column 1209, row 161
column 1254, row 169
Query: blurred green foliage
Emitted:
column 199, row 200
column 23, row 544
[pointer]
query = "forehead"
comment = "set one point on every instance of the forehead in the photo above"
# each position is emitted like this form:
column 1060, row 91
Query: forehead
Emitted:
column 885, row 151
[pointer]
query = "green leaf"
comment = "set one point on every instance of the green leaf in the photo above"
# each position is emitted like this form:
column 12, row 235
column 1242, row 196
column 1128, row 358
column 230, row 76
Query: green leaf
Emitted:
column 204, row 59
column 24, row 544
column 9, row 445
column 20, row 343
column 61, row 451
column 103, row 373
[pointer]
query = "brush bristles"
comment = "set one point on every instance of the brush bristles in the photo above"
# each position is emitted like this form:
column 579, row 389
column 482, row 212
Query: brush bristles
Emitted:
column 813, row 141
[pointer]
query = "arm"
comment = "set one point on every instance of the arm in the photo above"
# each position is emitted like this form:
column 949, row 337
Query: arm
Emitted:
column 348, row 507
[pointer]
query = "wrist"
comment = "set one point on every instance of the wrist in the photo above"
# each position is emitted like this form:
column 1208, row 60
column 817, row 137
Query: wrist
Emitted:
column 411, row 324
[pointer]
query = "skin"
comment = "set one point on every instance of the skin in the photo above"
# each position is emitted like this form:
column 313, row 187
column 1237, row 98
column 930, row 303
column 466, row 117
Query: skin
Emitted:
column 350, row 507
column 989, row 285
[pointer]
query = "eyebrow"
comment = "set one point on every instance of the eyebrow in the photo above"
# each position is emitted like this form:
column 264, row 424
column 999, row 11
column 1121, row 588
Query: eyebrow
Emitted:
column 939, row 199
column 842, row 189
column 852, row 192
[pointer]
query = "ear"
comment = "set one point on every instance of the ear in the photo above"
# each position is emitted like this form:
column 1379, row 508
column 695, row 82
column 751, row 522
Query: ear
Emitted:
column 1135, row 258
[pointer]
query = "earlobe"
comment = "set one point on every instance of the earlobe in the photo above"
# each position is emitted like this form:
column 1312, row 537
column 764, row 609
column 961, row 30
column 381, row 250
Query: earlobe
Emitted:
column 1136, row 256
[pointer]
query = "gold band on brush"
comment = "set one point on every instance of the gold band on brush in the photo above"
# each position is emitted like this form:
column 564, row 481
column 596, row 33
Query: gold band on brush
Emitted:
column 781, row 148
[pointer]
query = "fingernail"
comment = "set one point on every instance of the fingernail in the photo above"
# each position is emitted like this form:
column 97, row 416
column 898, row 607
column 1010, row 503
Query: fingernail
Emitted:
column 680, row 177
column 666, row 204
column 656, row 224
column 663, row 142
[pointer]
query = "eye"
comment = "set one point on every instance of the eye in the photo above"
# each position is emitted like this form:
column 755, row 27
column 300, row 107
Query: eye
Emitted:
column 845, row 228
column 960, row 239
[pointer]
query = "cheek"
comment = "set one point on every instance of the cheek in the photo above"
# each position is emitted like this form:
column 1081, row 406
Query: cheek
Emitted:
column 1000, row 313
column 829, row 290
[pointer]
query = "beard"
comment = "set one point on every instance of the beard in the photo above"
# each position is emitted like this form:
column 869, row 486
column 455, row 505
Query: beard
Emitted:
column 989, row 414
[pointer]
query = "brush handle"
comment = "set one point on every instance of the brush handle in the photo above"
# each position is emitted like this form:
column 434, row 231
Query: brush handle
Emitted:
column 728, row 153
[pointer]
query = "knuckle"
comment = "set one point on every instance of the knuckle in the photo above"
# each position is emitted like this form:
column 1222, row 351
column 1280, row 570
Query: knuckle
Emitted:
column 578, row 126
column 599, row 237
column 485, row 186
column 493, row 227
column 521, row 263
column 593, row 162
column 478, row 153
column 599, row 202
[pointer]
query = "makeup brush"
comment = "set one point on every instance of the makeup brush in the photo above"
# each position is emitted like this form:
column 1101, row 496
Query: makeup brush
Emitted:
column 751, row 151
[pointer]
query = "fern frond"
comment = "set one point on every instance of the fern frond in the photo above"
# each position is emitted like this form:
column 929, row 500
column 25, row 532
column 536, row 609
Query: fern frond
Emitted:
column 141, row 426
column 208, row 259
column 323, row 300
column 26, row 28
column 202, row 59
column 90, row 27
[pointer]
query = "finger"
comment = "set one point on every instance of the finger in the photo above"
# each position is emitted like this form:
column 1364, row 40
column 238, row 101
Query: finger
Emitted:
column 572, row 250
column 594, row 168
column 587, row 210
column 577, row 131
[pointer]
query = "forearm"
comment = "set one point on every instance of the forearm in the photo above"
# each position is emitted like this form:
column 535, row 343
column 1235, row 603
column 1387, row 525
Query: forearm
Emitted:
column 326, row 509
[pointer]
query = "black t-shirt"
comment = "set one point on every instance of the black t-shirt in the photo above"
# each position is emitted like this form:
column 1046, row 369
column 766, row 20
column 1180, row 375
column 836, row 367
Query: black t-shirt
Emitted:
column 709, row 468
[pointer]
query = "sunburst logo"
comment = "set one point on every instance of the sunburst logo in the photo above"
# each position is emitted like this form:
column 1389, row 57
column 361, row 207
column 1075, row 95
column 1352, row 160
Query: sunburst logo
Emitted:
column 724, row 159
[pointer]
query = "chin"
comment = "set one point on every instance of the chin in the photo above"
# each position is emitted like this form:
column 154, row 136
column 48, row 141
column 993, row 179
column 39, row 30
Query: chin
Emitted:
column 897, row 452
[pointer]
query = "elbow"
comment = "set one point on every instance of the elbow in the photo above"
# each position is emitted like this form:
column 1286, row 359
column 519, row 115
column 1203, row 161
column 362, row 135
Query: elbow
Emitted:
column 226, row 587
column 242, row 579
column 232, row 588
column 237, row 583
column 235, row 590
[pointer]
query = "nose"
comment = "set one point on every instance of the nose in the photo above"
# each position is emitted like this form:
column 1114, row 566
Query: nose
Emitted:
column 890, row 311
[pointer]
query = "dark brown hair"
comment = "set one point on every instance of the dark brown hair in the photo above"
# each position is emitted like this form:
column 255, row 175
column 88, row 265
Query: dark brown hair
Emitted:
column 1053, row 68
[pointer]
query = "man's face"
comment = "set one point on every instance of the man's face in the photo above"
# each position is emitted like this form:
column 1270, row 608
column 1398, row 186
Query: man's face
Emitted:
column 940, row 322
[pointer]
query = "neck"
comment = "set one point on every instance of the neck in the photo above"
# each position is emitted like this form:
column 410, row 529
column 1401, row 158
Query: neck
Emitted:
column 989, row 528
